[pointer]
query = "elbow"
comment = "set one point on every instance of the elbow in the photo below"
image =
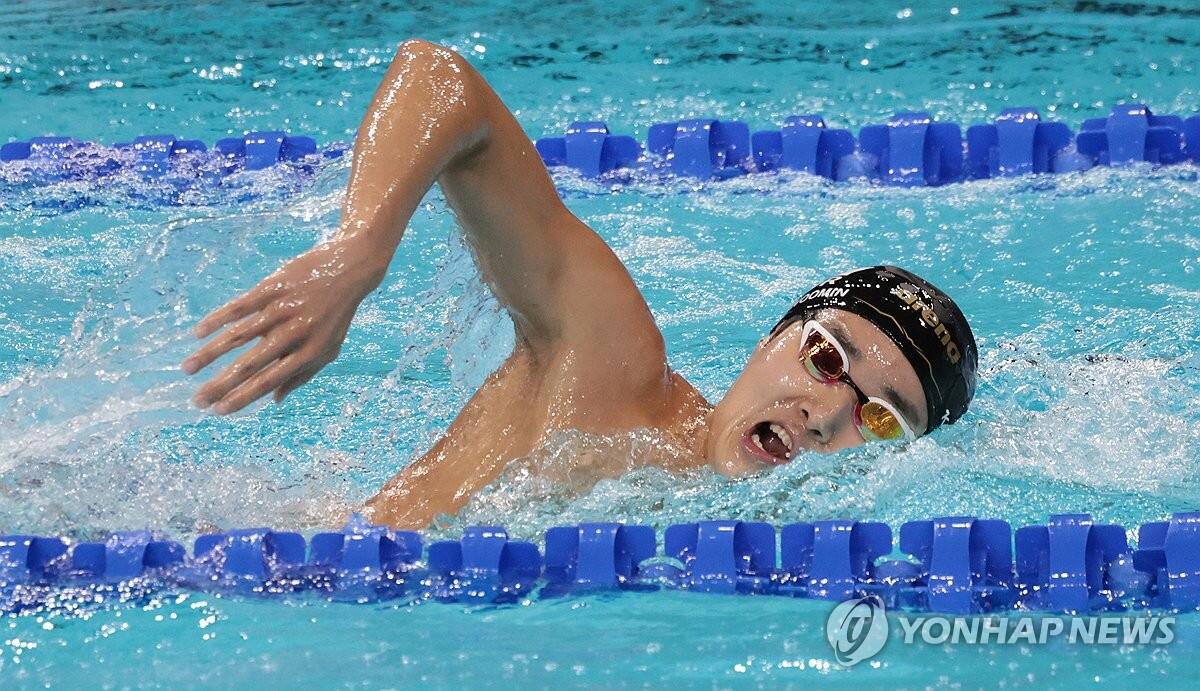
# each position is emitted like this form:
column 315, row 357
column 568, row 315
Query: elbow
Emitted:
column 447, row 88
column 419, row 46
column 442, row 80
column 431, row 59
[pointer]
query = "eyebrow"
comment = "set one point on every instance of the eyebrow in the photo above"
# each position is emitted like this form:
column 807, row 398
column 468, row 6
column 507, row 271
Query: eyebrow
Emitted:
column 844, row 338
column 907, row 409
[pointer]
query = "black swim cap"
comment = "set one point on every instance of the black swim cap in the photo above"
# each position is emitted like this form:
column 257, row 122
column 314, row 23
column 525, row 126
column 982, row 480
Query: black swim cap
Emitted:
column 923, row 322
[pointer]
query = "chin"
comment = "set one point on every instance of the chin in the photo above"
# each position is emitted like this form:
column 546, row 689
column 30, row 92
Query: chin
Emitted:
column 723, row 450
column 725, row 457
column 718, row 455
column 728, row 468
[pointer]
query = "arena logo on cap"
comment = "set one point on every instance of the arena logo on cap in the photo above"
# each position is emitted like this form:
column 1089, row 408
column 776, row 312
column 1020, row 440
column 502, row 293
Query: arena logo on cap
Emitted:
column 931, row 318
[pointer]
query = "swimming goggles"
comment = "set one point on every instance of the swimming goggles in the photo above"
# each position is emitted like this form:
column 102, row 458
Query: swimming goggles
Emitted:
column 826, row 361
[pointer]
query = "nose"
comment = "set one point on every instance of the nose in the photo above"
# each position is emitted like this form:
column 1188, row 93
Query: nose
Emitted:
column 827, row 413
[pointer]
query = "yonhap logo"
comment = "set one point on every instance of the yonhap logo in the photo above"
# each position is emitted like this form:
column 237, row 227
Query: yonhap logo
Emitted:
column 856, row 630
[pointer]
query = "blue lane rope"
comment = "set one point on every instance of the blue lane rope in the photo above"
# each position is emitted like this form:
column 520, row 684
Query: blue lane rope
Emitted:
column 154, row 153
column 910, row 150
column 46, row 160
column 955, row 564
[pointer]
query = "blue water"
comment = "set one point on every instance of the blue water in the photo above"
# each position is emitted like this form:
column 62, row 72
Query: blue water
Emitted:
column 1082, row 290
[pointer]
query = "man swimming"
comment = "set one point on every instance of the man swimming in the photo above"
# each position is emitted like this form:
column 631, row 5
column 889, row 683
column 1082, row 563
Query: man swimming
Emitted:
column 877, row 354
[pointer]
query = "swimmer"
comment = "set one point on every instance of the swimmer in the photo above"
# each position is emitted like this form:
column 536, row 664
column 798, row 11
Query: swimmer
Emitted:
column 876, row 354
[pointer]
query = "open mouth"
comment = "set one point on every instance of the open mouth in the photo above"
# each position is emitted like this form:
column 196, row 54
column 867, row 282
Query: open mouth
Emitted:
column 769, row 441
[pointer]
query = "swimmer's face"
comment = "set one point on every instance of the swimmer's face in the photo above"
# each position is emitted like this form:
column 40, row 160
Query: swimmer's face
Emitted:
column 790, row 411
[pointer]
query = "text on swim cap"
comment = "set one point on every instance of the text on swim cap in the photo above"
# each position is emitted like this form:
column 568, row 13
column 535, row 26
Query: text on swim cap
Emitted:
column 825, row 293
column 931, row 318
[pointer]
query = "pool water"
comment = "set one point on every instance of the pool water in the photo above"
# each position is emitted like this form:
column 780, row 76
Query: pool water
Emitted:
column 1082, row 291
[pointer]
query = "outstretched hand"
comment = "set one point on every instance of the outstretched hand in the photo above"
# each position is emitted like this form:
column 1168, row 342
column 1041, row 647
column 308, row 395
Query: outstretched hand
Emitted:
column 300, row 314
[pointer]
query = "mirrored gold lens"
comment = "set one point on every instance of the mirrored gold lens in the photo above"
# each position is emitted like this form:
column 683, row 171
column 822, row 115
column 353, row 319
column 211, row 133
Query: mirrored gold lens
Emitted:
column 879, row 423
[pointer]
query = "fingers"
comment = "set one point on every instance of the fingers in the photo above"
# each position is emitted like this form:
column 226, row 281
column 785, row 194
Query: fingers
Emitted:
column 247, row 303
column 236, row 336
column 300, row 379
column 277, row 344
column 267, row 379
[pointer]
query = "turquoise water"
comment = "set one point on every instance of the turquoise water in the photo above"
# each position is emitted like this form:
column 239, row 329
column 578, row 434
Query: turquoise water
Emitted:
column 1082, row 290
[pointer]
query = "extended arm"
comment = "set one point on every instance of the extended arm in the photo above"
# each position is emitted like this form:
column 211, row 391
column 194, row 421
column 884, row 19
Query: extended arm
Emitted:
column 433, row 118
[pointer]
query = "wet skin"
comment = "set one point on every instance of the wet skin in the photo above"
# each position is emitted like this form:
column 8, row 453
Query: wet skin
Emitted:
column 588, row 354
